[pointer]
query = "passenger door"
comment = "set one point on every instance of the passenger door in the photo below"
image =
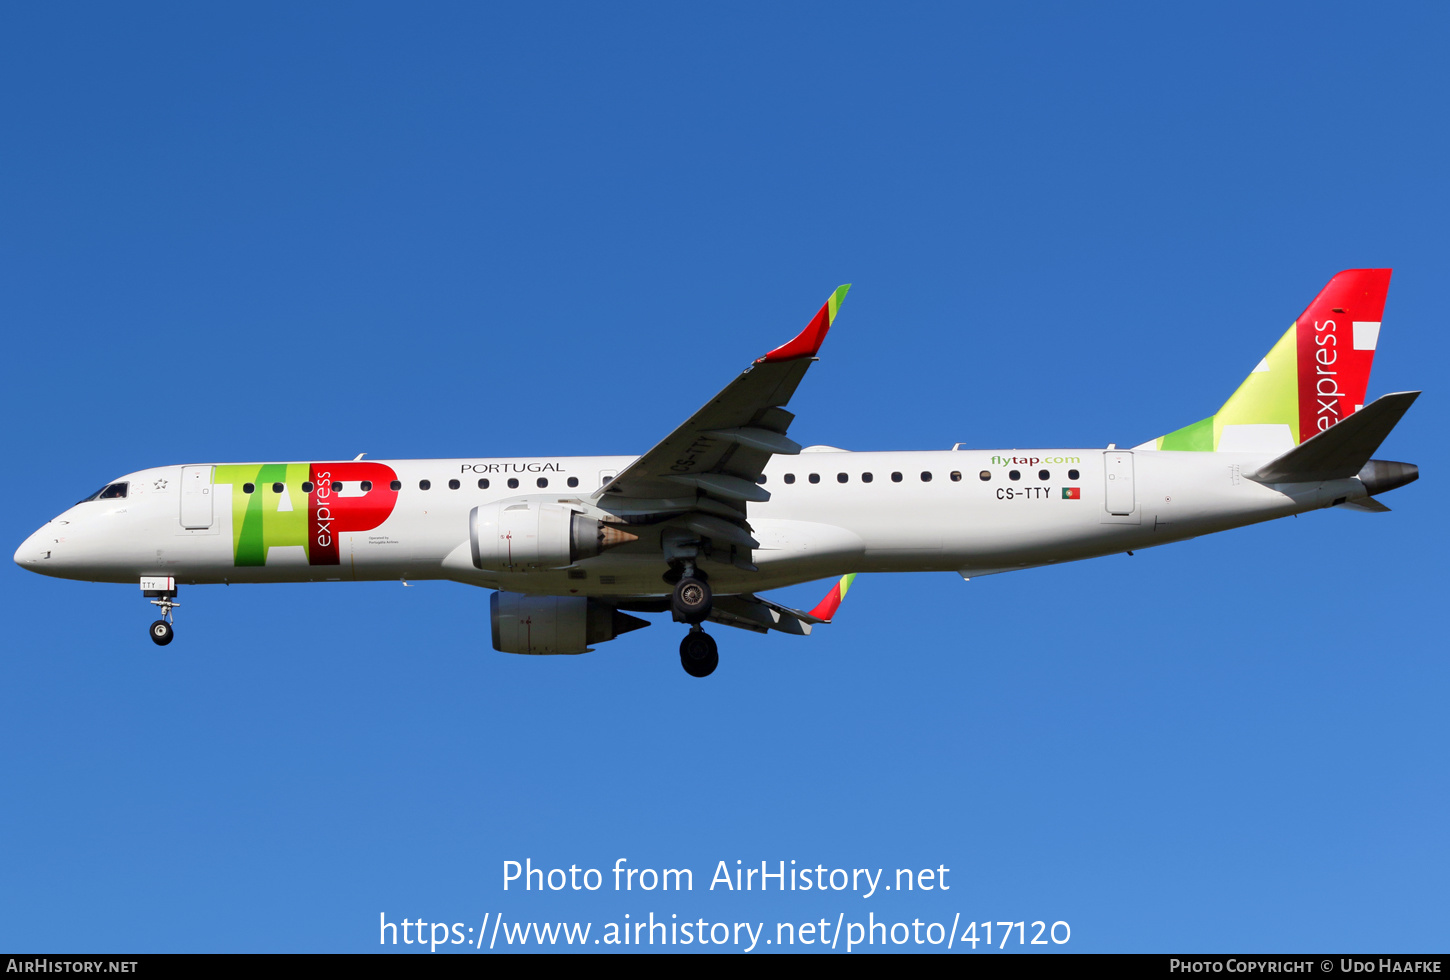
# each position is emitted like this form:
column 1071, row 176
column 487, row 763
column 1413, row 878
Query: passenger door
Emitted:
column 1118, row 496
column 196, row 497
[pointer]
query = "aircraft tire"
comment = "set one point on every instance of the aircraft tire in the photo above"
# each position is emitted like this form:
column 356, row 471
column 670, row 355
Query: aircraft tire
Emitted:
column 692, row 601
column 162, row 633
column 698, row 654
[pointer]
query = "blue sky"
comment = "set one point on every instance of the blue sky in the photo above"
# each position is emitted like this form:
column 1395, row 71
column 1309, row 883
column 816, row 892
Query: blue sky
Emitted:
column 271, row 232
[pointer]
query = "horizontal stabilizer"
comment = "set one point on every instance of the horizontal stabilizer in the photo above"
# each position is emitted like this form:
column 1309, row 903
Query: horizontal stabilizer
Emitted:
column 1369, row 505
column 1342, row 450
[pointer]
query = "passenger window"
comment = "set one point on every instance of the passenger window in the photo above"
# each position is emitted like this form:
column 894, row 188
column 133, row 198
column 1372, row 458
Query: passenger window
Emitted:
column 895, row 477
column 956, row 476
column 760, row 479
column 1014, row 475
column 249, row 487
column 925, row 477
column 814, row 478
column 1072, row 474
column 866, row 477
column 454, row 484
column 542, row 482
column 425, row 484
column 574, row 481
column 396, row 485
column 307, row 486
column 985, row 475
column 513, row 483
column 841, row 478
column 1043, row 475
column 367, row 486
column 790, row 478
column 336, row 487
column 278, row 488
column 483, row 484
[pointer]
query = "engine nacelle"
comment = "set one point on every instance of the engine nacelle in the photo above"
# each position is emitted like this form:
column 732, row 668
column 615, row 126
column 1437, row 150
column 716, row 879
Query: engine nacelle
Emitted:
column 550, row 624
column 532, row 535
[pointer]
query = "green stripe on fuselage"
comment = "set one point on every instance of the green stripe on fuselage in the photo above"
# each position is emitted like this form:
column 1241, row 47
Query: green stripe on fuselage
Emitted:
column 257, row 523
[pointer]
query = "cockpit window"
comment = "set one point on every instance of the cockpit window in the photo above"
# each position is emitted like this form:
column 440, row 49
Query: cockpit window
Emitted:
column 111, row 491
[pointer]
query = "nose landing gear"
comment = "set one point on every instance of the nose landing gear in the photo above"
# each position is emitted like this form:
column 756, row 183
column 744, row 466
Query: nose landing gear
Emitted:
column 162, row 593
column 698, row 653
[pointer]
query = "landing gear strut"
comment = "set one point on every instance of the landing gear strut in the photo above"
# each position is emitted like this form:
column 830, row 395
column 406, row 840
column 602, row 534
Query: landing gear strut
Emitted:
column 698, row 653
column 692, row 601
column 162, row 631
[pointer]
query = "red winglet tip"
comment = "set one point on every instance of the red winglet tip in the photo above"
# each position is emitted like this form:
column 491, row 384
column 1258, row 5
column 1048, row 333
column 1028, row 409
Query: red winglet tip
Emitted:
column 827, row 608
column 807, row 342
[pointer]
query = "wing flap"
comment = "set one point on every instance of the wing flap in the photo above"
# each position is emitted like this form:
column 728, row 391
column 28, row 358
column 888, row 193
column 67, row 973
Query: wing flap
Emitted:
column 724, row 485
column 765, row 440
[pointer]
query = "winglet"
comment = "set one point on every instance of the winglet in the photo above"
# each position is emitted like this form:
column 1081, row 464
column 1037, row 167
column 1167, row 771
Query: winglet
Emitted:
column 827, row 607
column 809, row 340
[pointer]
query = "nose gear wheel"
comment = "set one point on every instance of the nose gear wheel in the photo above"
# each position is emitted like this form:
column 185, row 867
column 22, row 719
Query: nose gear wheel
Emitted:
column 162, row 632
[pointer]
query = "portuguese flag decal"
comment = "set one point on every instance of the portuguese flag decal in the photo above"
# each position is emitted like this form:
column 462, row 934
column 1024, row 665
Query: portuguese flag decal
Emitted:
column 1072, row 493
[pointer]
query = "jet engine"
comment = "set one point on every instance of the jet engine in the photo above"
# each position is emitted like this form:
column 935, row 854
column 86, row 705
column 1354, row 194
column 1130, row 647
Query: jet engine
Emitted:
column 547, row 624
column 531, row 535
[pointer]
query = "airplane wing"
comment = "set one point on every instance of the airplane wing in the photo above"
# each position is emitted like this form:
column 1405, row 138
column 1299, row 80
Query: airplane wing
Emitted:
column 751, row 612
column 709, row 467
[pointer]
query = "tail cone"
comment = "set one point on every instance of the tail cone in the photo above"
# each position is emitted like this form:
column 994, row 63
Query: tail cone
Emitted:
column 1381, row 475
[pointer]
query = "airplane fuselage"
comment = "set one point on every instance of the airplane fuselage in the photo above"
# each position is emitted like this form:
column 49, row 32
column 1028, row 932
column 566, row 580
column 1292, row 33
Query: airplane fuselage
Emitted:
column 829, row 513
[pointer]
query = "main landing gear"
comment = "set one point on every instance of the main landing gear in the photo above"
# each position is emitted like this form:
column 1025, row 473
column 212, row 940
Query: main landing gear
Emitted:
column 691, row 603
column 698, row 653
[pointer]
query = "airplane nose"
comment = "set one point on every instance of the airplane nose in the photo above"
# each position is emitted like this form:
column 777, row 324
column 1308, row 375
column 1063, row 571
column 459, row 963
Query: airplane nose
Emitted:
column 34, row 551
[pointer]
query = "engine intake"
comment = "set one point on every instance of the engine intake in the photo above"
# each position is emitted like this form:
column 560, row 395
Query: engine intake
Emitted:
column 532, row 535
column 543, row 625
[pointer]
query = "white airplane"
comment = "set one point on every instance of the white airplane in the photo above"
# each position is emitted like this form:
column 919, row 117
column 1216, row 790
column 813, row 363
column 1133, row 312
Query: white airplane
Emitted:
column 727, row 505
